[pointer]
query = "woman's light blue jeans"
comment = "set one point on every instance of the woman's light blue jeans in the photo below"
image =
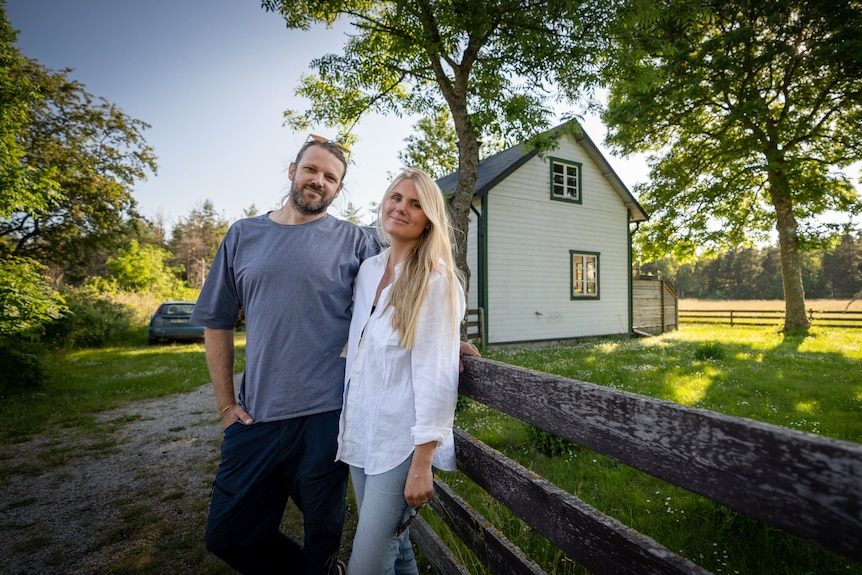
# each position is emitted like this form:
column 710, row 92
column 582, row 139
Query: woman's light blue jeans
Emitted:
column 381, row 503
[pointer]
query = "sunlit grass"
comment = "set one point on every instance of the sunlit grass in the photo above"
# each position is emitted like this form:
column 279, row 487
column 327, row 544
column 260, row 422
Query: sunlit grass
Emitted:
column 811, row 384
column 84, row 382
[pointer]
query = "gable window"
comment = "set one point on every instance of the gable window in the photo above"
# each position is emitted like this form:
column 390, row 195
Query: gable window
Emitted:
column 585, row 274
column 565, row 180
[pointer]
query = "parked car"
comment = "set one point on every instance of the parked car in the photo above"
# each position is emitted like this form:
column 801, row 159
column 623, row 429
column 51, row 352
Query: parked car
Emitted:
column 171, row 323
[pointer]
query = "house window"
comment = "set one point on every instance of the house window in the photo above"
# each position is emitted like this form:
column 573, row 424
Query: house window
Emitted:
column 585, row 275
column 565, row 180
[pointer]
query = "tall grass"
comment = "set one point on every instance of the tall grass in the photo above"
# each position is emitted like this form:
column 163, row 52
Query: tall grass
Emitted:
column 812, row 384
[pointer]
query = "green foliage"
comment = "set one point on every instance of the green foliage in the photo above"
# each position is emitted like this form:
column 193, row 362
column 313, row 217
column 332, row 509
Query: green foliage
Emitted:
column 750, row 115
column 24, row 186
column 833, row 272
column 195, row 239
column 434, row 146
column 27, row 303
column 709, row 351
column 144, row 268
column 548, row 443
column 500, row 58
column 95, row 153
column 496, row 67
column 92, row 321
column 82, row 382
column 351, row 213
column 22, row 365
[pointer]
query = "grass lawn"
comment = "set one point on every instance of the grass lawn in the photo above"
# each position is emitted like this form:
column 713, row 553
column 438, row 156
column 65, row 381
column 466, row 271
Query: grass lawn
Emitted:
column 83, row 382
column 812, row 384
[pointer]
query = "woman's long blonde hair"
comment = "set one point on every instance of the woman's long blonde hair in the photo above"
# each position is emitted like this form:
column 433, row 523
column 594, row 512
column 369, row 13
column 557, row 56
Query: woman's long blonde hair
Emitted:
column 432, row 254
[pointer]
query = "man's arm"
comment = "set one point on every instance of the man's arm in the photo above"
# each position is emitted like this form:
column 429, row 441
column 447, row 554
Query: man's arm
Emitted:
column 220, row 355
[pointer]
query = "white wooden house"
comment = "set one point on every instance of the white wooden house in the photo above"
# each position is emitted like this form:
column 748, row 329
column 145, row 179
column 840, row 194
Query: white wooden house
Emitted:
column 549, row 244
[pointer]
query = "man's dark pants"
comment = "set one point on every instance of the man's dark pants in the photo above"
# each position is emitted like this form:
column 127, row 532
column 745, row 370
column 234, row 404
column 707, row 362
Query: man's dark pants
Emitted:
column 262, row 466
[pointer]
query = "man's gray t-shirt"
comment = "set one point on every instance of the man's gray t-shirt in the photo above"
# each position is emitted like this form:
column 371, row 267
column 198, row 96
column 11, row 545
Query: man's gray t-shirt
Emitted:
column 295, row 285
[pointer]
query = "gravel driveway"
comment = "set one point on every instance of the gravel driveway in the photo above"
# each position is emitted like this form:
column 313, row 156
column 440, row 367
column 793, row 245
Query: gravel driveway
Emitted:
column 85, row 502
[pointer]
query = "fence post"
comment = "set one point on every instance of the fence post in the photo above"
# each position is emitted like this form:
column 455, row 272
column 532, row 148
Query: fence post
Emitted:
column 731, row 318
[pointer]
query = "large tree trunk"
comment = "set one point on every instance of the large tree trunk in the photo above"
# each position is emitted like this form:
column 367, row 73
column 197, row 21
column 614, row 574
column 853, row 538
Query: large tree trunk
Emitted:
column 795, row 318
column 459, row 206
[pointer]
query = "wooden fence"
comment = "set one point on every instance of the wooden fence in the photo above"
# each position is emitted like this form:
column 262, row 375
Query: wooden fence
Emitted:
column 802, row 483
column 848, row 319
column 475, row 323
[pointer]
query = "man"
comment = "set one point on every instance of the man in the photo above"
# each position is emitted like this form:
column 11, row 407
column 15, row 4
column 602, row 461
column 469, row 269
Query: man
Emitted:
column 292, row 272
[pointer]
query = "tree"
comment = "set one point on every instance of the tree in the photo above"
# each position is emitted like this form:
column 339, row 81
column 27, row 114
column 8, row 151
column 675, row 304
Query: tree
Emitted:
column 351, row 213
column 750, row 109
column 144, row 269
column 843, row 267
column 494, row 65
column 434, row 146
column 23, row 185
column 26, row 302
column 195, row 239
column 94, row 153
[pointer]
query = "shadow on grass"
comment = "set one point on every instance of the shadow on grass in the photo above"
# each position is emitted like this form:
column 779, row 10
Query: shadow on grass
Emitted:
column 810, row 383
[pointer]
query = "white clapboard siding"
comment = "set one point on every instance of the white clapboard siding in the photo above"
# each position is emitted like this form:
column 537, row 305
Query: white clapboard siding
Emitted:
column 528, row 264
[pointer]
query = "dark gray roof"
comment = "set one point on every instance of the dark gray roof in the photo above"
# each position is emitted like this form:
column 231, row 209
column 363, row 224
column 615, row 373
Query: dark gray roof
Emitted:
column 496, row 168
column 492, row 170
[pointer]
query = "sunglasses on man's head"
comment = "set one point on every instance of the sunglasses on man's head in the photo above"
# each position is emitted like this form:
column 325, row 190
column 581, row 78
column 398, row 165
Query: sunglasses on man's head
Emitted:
column 340, row 147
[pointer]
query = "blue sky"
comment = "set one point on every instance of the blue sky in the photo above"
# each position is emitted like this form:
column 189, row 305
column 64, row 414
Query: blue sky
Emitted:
column 212, row 78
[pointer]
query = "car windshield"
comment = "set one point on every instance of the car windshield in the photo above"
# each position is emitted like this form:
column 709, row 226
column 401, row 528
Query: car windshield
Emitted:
column 179, row 309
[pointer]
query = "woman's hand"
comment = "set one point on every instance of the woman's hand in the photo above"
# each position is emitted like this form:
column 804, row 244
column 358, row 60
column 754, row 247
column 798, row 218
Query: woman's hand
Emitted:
column 466, row 348
column 419, row 487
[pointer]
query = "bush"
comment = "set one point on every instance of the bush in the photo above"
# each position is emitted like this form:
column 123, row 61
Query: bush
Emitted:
column 22, row 365
column 548, row 443
column 92, row 321
column 709, row 350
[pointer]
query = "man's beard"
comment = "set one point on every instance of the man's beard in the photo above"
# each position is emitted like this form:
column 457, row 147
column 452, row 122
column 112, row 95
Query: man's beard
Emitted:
column 308, row 208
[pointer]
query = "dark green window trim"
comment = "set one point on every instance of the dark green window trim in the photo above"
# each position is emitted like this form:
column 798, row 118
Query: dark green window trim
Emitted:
column 584, row 274
column 566, row 181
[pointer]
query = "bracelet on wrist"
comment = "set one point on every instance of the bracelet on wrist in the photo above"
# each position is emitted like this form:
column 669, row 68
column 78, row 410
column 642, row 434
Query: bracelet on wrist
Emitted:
column 221, row 413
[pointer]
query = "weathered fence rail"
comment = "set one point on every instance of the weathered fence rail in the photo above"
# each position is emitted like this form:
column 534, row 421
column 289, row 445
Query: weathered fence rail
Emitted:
column 805, row 484
column 849, row 319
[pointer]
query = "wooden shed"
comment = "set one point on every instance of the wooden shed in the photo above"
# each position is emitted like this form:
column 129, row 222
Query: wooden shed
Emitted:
column 655, row 306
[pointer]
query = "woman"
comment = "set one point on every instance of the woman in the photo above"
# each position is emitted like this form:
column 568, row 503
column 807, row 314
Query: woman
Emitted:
column 401, row 383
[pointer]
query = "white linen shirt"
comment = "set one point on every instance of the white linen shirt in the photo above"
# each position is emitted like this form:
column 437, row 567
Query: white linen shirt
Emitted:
column 395, row 398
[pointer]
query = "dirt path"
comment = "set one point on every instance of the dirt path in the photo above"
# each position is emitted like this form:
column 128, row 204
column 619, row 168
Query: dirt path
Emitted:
column 84, row 502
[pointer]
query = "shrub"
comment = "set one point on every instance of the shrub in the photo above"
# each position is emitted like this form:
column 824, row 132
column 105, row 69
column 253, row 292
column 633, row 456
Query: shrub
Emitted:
column 22, row 364
column 709, row 350
column 92, row 321
column 548, row 443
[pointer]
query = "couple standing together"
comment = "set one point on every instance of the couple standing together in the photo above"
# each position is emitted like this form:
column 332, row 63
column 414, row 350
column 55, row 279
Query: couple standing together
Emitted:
column 312, row 399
